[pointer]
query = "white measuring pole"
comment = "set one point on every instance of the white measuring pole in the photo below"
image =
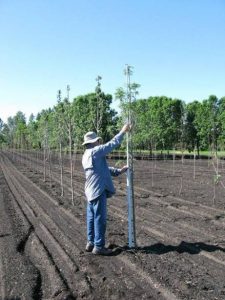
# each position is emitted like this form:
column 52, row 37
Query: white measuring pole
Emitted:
column 130, row 186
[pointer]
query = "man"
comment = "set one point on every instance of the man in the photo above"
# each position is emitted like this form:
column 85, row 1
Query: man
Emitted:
column 99, row 187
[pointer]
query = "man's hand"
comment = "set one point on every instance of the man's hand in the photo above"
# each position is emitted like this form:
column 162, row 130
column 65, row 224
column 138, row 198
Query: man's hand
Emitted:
column 124, row 169
column 126, row 128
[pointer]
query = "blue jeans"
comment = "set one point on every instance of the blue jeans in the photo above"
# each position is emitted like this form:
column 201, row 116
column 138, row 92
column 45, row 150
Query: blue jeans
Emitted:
column 96, row 220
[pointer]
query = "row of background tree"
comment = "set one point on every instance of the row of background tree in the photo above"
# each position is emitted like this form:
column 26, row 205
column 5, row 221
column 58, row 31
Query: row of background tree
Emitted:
column 159, row 123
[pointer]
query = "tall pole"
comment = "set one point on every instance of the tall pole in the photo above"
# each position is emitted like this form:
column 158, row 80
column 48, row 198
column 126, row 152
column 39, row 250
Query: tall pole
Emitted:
column 70, row 146
column 130, row 186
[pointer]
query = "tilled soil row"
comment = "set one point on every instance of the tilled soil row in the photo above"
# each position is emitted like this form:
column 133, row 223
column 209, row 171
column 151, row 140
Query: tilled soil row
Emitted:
column 130, row 283
column 163, row 224
column 51, row 283
column 207, row 187
column 19, row 277
column 157, row 177
column 171, row 203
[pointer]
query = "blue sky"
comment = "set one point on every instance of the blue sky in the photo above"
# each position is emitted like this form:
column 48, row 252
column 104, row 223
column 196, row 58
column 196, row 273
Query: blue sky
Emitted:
column 175, row 46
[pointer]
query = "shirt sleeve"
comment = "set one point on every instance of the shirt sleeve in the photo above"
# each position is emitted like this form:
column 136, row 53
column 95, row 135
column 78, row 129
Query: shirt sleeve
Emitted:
column 114, row 171
column 103, row 150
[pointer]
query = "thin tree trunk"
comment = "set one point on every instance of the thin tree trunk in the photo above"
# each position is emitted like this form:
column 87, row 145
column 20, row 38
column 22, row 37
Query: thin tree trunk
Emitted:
column 71, row 167
column 174, row 161
column 50, row 166
column 21, row 152
column 44, row 171
column 61, row 169
column 181, row 179
column 194, row 175
column 74, row 157
column 152, row 155
column 37, row 162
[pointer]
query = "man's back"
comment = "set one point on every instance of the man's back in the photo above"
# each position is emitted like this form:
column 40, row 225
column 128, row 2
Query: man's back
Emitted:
column 97, row 173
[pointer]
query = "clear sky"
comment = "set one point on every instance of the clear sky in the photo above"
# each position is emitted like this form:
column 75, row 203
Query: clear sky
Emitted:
column 175, row 46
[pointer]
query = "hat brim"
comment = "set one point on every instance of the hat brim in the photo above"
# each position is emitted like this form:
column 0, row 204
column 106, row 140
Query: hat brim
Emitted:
column 91, row 141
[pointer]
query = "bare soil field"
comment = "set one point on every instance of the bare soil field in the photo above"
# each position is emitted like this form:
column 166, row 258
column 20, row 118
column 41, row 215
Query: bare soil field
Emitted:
column 180, row 223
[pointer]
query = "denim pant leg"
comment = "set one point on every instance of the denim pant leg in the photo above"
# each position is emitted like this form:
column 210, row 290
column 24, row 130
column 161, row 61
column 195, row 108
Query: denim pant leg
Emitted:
column 100, row 216
column 90, row 222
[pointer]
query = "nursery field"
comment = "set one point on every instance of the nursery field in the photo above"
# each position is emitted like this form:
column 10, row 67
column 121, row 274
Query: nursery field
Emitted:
column 180, row 224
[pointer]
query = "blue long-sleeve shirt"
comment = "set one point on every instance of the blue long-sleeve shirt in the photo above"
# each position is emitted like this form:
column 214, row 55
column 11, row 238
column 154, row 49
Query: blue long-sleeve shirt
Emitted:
column 97, row 172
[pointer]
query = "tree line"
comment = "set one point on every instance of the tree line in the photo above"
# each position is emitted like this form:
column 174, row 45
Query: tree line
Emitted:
column 158, row 123
column 166, row 123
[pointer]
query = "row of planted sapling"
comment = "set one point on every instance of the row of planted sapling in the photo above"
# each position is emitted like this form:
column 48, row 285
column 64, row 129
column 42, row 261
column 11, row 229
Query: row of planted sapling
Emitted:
column 57, row 141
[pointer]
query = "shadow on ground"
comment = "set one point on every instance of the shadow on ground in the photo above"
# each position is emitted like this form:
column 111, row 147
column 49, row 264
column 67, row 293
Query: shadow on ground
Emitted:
column 159, row 248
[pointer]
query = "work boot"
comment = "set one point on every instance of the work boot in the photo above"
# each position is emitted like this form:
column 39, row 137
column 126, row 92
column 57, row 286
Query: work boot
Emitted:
column 89, row 247
column 102, row 251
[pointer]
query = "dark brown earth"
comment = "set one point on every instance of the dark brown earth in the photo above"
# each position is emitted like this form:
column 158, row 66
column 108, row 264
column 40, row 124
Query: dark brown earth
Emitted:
column 180, row 222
